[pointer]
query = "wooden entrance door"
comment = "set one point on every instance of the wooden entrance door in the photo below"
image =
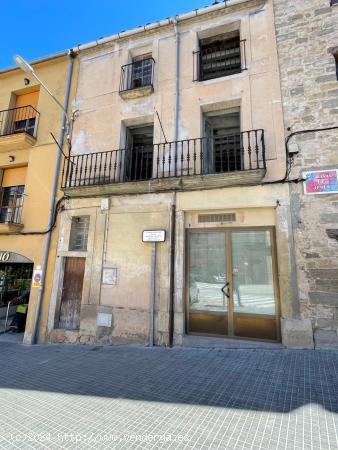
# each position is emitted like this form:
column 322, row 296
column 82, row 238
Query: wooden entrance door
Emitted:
column 72, row 293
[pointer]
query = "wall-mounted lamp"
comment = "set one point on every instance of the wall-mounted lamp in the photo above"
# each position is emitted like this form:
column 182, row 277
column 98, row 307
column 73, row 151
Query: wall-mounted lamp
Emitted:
column 26, row 81
column 11, row 158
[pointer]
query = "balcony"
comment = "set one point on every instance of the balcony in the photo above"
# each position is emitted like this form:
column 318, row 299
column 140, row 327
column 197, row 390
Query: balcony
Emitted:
column 190, row 164
column 137, row 79
column 220, row 60
column 11, row 203
column 18, row 128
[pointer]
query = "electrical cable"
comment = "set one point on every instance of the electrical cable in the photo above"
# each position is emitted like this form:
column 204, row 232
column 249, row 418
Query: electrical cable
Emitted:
column 289, row 164
column 39, row 233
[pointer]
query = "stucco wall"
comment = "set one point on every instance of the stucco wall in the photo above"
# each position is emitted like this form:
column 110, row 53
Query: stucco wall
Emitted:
column 102, row 116
column 40, row 161
column 115, row 241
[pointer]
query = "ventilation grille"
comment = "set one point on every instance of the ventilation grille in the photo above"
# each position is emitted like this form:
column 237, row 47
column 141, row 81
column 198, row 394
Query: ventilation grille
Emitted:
column 211, row 218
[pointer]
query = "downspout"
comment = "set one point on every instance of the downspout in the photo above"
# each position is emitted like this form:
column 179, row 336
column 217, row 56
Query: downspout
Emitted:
column 71, row 57
column 177, row 78
column 173, row 206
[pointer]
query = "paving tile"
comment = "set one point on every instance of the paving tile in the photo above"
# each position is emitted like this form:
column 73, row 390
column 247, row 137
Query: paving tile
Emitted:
column 61, row 396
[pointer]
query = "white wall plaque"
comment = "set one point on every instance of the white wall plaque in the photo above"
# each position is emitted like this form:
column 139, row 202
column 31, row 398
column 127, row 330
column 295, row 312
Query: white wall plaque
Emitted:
column 153, row 236
column 103, row 320
column 109, row 276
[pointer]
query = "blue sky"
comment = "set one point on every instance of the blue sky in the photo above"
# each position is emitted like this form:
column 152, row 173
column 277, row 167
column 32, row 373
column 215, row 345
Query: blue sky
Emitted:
column 41, row 27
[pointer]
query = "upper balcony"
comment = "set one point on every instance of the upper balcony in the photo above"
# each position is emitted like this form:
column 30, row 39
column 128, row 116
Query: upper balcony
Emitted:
column 18, row 128
column 137, row 78
column 189, row 164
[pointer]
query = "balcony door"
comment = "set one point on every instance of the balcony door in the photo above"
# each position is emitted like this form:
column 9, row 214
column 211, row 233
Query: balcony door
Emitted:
column 222, row 142
column 232, row 284
column 141, row 73
column 138, row 158
column 24, row 115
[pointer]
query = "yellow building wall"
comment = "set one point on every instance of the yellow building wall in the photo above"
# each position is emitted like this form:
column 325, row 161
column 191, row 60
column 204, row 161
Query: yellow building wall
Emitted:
column 39, row 161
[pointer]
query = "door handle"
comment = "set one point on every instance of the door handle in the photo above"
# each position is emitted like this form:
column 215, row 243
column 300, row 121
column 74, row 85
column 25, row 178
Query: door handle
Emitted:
column 227, row 291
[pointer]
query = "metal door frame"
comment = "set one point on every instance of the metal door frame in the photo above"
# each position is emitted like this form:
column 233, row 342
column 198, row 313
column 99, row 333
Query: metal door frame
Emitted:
column 228, row 250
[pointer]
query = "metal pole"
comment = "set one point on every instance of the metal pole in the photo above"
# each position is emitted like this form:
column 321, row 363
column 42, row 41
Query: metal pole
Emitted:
column 153, row 295
column 52, row 202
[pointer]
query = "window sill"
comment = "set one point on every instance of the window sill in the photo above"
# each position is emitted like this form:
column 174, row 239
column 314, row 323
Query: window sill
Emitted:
column 73, row 254
column 7, row 227
column 222, row 79
column 137, row 92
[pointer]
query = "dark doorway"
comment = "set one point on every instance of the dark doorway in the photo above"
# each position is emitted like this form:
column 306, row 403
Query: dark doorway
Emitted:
column 15, row 285
column 139, row 153
column 72, row 293
column 222, row 131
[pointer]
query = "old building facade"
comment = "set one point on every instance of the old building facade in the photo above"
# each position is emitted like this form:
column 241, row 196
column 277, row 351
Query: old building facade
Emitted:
column 307, row 42
column 178, row 137
column 28, row 156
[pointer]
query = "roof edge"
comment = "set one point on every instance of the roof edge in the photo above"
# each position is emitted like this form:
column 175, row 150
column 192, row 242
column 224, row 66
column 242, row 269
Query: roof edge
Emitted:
column 37, row 61
column 153, row 25
column 133, row 31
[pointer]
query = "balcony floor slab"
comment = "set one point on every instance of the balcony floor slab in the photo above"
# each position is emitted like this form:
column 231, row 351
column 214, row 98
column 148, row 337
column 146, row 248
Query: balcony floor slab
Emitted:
column 17, row 141
column 184, row 183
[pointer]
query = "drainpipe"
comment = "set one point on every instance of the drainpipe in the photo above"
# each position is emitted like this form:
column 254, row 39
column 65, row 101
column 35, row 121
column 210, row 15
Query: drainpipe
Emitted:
column 172, row 270
column 173, row 206
column 71, row 57
column 177, row 78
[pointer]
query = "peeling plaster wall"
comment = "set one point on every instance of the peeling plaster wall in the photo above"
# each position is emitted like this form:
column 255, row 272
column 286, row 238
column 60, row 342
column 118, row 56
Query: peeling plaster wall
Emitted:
column 103, row 114
column 115, row 241
column 115, row 237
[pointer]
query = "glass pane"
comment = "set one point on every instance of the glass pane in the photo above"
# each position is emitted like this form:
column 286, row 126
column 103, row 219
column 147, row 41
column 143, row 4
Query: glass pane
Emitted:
column 79, row 233
column 253, row 290
column 207, row 272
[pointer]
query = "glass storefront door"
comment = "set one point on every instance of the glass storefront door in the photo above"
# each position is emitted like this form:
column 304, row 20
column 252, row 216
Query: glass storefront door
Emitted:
column 232, row 284
column 207, row 278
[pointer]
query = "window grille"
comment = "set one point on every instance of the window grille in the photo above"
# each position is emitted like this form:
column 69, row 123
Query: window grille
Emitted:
column 79, row 234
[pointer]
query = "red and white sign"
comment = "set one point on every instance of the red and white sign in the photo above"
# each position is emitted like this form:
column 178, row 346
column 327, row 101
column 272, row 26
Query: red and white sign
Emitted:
column 321, row 182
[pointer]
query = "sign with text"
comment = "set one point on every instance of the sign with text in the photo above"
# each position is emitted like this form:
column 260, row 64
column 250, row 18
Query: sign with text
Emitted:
column 4, row 256
column 10, row 257
column 153, row 236
column 321, row 182
column 37, row 277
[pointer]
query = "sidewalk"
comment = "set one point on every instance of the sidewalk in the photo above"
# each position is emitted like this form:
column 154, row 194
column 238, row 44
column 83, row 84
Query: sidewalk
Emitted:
column 61, row 396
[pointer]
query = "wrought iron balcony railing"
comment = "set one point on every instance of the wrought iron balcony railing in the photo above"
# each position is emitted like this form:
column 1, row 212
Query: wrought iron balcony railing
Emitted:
column 220, row 60
column 11, row 203
column 19, row 120
column 243, row 151
column 137, row 74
